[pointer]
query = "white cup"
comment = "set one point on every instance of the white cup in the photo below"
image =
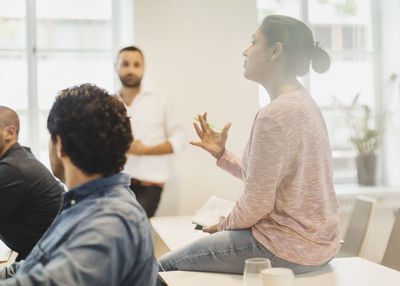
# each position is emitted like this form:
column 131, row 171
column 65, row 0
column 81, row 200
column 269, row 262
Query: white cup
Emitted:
column 277, row 277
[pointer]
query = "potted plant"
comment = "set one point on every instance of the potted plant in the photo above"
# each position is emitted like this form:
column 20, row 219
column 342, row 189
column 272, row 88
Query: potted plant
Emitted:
column 366, row 129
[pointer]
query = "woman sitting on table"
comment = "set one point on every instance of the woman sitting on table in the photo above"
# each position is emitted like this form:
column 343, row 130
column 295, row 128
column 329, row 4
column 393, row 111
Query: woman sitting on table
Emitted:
column 288, row 211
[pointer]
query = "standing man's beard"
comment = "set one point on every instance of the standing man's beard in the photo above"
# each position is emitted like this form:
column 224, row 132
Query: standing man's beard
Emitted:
column 130, row 81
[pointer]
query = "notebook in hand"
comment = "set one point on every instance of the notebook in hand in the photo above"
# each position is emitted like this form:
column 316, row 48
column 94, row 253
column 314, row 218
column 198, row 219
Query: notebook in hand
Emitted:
column 5, row 252
column 209, row 214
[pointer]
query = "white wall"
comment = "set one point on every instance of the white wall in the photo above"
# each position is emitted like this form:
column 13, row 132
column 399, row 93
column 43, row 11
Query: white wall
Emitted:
column 193, row 51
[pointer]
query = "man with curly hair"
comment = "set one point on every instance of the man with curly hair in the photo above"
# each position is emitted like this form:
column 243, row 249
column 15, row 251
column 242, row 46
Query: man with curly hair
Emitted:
column 102, row 235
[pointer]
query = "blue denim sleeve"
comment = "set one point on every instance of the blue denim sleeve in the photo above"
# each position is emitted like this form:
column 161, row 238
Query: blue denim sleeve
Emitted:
column 9, row 271
column 104, row 252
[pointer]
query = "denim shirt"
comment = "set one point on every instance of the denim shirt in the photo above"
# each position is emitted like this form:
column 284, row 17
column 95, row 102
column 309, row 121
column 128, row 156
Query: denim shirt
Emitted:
column 101, row 237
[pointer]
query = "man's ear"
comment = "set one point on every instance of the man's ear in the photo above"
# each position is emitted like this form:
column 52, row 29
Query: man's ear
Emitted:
column 11, row 132
column 277, row 50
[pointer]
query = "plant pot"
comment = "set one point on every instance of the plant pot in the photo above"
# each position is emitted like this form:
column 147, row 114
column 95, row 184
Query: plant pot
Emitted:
column 366, row 168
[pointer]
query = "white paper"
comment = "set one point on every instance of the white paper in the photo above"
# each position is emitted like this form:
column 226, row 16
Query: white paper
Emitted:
column 209, row 214
column 4, row 252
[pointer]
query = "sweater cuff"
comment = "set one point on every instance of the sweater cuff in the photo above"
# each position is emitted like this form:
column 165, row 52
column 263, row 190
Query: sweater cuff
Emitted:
column 222, row 224
column 222, row 162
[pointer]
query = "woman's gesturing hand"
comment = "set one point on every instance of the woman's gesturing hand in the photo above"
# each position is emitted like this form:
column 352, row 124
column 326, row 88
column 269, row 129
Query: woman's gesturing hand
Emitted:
column 211, row 141
column 210, row 229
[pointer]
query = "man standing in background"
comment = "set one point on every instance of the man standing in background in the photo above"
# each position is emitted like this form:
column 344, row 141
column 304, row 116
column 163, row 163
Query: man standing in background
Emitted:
column 30, row 196
column 157, row 132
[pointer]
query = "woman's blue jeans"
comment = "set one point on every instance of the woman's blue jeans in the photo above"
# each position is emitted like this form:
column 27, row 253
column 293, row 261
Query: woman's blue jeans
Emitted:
column 225, row 252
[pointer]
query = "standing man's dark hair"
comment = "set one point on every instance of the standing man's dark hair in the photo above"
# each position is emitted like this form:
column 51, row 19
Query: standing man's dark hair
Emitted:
column 102, row 235
column 131, row 49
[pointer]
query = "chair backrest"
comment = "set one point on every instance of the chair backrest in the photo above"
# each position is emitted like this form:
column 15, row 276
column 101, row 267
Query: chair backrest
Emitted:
column 391, row 258
column 356, row 235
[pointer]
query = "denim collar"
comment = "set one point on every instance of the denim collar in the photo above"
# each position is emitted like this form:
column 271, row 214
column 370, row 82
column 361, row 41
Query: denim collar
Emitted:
column 79, row 193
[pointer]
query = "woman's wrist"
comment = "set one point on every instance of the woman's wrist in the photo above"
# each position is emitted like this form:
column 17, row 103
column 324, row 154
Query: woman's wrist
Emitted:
column 220, row 153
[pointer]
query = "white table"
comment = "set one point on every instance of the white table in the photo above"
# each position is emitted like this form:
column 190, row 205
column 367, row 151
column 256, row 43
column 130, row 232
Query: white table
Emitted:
column 184, row 278
column 351, row 271
column 174, row 232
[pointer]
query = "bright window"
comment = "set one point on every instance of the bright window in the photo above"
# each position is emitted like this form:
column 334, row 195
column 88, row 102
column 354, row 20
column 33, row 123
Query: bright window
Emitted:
column 343, row 28
column 48, row 45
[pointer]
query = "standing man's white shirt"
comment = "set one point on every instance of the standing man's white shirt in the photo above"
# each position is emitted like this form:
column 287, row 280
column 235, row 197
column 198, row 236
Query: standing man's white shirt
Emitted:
column 153, row 122
column 156, row 130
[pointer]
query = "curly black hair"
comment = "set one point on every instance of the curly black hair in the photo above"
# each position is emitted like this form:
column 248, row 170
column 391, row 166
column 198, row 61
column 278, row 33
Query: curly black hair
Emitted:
column 94, row 128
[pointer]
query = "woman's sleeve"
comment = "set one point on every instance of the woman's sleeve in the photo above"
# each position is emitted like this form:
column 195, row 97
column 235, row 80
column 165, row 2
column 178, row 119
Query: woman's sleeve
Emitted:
column 266, row 167
column 231, row 163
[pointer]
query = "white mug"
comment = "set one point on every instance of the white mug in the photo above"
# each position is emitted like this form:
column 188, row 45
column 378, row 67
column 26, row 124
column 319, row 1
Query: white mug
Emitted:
column 277, row 277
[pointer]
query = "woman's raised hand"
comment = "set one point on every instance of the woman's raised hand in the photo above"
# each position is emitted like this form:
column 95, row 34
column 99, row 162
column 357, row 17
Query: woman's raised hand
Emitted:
column 211, row 141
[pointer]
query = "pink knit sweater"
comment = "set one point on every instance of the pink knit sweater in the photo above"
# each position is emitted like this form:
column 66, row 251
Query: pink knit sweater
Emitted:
column 289, row 200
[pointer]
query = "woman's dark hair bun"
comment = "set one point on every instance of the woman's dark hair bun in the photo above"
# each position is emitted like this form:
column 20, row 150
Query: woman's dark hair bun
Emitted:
column 320, row 60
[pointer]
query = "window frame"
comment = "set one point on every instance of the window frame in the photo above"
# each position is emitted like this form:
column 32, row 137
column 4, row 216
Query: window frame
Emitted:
column 122, row 13
column 377, row 84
